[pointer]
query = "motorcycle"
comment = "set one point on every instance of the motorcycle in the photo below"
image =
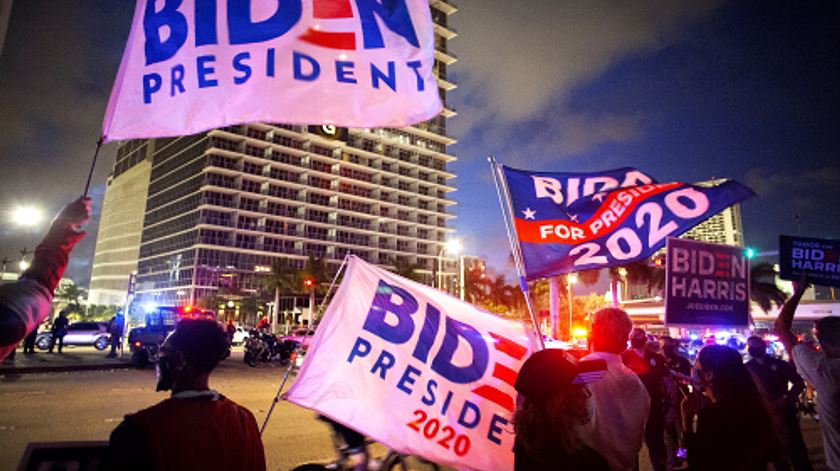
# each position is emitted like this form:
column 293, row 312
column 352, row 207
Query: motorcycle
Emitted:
column 263, row 347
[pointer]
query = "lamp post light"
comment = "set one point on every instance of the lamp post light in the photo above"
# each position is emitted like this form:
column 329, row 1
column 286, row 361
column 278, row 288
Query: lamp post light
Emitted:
column 571, row 279
column 27, row 216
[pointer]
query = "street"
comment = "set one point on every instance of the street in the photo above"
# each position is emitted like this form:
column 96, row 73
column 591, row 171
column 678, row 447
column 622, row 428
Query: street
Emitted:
column 87, row 405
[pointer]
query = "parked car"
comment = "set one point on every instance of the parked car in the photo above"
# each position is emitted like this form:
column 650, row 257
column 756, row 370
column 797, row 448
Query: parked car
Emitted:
column 240, row 335
column 79, row 333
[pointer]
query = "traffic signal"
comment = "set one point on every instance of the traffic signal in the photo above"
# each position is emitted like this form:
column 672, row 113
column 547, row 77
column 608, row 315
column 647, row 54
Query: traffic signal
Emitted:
column 309, row 282
column 749, row 252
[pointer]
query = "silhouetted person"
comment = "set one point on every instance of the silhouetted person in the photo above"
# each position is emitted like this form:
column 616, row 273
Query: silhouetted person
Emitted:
column 29, row 341
column 734, row 430
column 551, row 408
column 59, row 330
column 621, row 402
column 680, row 371
column 819, row 368
column 116, row 328
column 775, row 375
column 25, row 303
column 197, row 427
column 650, row 368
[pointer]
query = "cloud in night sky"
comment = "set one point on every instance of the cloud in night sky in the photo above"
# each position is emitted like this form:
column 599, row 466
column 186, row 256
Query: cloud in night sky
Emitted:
column 684, row 90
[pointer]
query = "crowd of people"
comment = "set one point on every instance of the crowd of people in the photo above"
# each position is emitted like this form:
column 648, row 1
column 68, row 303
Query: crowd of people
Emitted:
column 592, row 414
column 720, row 414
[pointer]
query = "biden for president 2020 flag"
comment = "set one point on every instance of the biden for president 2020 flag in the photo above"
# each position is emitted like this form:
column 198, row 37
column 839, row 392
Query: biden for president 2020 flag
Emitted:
column 567, row 222
column 193, row 65
column 416, row 369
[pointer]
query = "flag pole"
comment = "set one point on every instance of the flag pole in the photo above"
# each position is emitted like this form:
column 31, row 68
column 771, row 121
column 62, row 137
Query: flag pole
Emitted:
column 92, row 167
column 507, row 214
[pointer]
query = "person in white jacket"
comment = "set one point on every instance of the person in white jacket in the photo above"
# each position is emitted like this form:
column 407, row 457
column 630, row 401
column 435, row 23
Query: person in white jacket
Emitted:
column 620, row 401
column 25, row 303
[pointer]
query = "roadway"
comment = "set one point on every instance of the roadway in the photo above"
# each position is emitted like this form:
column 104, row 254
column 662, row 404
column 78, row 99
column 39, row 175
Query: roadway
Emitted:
column 87, row 405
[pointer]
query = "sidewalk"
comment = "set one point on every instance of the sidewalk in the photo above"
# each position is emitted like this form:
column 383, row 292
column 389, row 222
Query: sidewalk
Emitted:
column 72, row 359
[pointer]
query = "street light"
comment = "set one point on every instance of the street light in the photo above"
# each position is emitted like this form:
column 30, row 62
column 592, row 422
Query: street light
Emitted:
column 27, row 216
column 571, row 279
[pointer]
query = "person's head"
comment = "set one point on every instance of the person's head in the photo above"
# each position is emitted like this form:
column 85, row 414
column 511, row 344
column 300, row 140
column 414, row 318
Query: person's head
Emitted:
column 610, row 328
column 756, row 347
column 638, row 338
column 827, row 330
column 62, row 313
column 552, row 400
column 190, row 353
column 669, row 346
column 723, row 376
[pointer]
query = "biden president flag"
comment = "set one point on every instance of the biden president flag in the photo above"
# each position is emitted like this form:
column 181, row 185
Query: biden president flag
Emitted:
column 416, row 369
column 194, row 65
column 567, row 222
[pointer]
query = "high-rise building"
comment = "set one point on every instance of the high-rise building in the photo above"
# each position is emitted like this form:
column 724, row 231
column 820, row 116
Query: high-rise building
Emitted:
column 121, row 223
column 223, row 205
column 724, row 227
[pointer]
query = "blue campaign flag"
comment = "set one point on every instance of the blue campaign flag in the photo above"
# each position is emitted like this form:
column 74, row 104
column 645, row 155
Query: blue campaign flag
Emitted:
column 566, row 222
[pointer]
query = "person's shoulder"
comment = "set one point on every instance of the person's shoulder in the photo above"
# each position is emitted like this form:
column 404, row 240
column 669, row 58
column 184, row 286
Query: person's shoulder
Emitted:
column 241, row 409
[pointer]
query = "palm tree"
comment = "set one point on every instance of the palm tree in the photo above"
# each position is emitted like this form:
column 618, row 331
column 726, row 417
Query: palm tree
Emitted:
column 763, row 288
column 405, row 269
column 316, row 268
column 476, row 284
column 72, row 295
column 251, row 305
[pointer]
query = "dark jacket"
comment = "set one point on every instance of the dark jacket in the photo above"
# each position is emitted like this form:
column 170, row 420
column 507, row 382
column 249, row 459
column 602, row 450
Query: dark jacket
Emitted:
column 187, row 434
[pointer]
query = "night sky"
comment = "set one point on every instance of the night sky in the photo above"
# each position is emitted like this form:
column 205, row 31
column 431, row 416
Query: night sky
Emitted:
column 684, row 91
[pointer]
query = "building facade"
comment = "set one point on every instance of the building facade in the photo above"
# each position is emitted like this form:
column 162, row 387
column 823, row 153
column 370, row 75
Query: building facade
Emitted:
column 121, row 224
column 223, row 205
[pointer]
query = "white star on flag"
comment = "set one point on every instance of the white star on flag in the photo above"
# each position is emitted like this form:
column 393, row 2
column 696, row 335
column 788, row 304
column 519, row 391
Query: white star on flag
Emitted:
column 599, row 197
column 529, row 213
column 572, row 217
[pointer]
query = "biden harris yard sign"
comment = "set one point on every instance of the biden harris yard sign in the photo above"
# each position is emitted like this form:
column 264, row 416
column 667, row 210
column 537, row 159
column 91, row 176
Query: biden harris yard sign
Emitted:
column 416, row 369
column 819, row 259
column 706, row 284
column 193, row 65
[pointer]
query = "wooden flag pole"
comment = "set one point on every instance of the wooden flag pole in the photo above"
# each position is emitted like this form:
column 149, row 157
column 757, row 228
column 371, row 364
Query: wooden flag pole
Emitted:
column 92, row 167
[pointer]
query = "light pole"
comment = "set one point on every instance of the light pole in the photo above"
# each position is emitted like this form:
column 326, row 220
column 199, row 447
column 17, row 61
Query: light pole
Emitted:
column 451, row 247
column 571, row 279
column 310, row 283
column 622, row 272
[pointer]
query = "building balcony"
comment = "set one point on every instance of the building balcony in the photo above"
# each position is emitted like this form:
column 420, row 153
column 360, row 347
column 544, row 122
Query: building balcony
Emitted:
column 447, row 31
column 446, row 57
column 447, row 6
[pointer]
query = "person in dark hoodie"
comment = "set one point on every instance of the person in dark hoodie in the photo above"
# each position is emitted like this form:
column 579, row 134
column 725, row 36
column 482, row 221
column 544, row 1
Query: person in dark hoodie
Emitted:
column 197, row 427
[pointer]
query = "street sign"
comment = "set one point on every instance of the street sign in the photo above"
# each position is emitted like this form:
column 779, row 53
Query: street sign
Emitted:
column 706, row 284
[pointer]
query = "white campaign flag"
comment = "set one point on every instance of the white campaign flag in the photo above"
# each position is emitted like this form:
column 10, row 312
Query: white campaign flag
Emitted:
column 416, row 369
column 193, row 65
